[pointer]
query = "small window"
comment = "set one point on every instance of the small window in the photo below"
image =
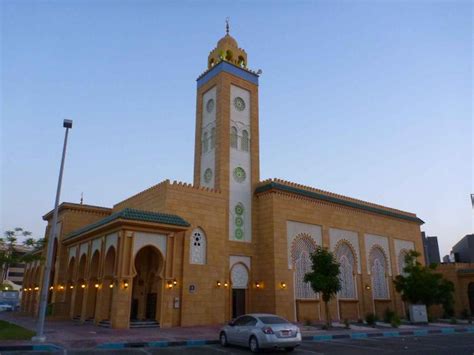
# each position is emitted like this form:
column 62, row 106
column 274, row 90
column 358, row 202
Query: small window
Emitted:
column 273, row 320
column 228, row 55
column 213, row 137
column 205, row 143
column 233, row 137
column 198, row 243
column 245, row 141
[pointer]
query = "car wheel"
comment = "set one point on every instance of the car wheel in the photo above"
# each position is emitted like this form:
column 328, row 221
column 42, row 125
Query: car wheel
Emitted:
column 289, row 349
column 253, row 344
column 223, row 339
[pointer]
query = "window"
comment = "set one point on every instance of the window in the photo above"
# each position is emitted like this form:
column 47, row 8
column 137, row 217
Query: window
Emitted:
column 302, row 247
column 346, row 260
column 245, row 141
column 233, row 137
column 378, row 267
column 273, row 320
column 213, row 137
column 197, row 253
column 205, row 143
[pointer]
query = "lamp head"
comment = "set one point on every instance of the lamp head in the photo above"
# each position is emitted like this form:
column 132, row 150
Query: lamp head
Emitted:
column 67, row 124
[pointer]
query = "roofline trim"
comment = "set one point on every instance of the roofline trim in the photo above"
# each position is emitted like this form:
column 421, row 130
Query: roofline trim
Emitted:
column 318, row 196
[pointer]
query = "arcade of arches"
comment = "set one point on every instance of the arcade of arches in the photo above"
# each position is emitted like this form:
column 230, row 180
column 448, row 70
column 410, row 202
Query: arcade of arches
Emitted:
column 184, row 254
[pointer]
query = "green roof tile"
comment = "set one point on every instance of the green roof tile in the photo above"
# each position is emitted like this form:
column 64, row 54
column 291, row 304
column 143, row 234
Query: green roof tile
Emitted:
column 133, row 215
column 315, row 195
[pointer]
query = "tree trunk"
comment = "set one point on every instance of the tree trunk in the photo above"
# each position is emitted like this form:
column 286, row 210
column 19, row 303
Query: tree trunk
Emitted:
column 328, row 316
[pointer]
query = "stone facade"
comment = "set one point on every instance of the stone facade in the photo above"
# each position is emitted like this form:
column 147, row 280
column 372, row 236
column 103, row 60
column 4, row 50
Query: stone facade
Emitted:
column 204, row 253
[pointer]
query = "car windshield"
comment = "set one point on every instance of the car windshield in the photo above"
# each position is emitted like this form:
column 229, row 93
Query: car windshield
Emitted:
column 273, row 320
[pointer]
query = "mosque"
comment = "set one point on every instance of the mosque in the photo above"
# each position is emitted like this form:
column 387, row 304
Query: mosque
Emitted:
column 179, row 254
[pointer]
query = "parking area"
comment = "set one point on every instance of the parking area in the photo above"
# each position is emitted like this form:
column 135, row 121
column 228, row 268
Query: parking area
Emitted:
column 458, row 344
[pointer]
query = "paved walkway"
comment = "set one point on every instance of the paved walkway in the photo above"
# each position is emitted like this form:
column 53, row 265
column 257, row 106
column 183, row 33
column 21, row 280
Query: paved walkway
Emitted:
column 70, row 334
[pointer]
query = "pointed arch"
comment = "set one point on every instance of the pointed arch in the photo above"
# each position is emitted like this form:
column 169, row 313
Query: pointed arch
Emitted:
column 301, row 249
column 198, row 247
column 213, row 137
column 346, row 258
column 239, row 276
column 378, row 270
column 205, row 142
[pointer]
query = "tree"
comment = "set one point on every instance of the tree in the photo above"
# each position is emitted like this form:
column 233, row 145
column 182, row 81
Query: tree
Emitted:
column 422, row 285
column 8, row 254
column 324, row 277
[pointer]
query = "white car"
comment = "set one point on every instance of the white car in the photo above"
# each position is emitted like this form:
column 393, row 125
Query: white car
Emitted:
column 261, row 331
column 5, row 307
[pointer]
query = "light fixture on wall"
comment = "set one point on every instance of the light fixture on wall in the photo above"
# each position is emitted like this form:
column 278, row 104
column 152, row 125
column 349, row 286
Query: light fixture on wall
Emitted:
column 218, row 284
column 83, row 286
column 36, row 288
column 175, row 282
column 96, row 285
column 71, row 287
column 125, row 284
column 367, row 287
column 169, row 284
column 51, row 288
column 111, row 286
column 61, row 287
column 226, row 284
column 283, row 284
column 258, row 284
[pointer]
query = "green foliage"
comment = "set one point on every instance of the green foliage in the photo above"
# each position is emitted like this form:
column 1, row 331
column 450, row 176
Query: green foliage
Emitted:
column 370, row 319
column 395, row 322
column 388, row 315
column 324, row 277
column 422, row 285
column 347, row 325
column 9, row 331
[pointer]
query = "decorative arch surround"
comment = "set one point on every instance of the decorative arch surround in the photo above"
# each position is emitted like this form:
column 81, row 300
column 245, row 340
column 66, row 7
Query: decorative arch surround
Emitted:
column 401, row 245
column 301, row 249
column 244, row 144
column 142, row 239
column 401, row 261
column 336, row 236
column 345, row 255
column 83, row 249
column 111, row 241
column 96, row 245
column 378, row 265
column 239, row 276
column 382, row 242
column 72, row 253
column 293, row 229
column 198, row 247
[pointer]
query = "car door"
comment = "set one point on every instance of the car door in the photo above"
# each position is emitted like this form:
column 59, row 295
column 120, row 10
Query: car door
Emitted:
column 246, row 330
column 233, row 331
column 239, row 328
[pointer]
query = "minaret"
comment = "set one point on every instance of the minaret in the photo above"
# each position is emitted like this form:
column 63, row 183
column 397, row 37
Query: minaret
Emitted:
column 226, row 148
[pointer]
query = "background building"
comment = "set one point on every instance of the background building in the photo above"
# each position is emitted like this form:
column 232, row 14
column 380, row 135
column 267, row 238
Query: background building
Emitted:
column 463, row 251
column 13, row 273
column 430, row 245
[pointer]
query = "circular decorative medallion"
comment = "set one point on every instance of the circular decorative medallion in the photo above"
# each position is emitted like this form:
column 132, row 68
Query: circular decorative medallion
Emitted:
column 239, row 233
column 239, row 103
column 239, row 222
column 239, row 209
column 208, row 175
column 239, row 174
column 210, row 105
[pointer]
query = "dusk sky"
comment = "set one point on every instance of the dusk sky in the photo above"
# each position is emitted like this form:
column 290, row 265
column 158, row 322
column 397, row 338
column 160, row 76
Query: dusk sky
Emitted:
column 369, row 99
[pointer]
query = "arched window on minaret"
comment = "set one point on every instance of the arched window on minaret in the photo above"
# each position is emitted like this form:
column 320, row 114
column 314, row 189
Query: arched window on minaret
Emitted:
column 245, row 141
column 205, row 143
column 213, row 137
column 233, row 137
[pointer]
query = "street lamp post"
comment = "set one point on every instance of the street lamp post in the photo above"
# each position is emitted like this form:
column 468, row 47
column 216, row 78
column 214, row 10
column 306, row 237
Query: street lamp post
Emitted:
column 40, row 337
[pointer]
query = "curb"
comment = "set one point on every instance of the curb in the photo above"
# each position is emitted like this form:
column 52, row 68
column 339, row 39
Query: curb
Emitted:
column 156, row 344
column 388, row 334
column 39, row 347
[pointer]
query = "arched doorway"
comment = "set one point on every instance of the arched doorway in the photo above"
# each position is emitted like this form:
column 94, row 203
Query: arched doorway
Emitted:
column 93, row 286
column 147, row 285
column 239, row 277
column 70, row 284
column 470, row 296
column 80, row 286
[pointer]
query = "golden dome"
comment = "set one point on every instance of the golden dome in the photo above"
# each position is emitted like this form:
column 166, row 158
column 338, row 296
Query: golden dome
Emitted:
column 227, row 40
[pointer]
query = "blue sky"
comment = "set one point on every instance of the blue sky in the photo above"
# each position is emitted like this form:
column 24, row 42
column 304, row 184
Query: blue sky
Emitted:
column 369, row 99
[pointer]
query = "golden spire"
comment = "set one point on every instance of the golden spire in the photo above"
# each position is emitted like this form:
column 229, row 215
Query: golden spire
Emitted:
column 227, row 25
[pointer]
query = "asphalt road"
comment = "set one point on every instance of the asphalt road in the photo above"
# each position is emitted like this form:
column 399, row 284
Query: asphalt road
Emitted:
column 457, row 344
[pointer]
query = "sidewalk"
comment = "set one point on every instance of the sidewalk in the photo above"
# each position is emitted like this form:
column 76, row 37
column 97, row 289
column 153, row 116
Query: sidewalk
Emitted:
column 71, row 335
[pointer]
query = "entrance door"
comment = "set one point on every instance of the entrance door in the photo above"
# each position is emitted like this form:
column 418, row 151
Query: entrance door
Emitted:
column 150, row 306
column 238, row 302
column 134, row 309
column 470, row 295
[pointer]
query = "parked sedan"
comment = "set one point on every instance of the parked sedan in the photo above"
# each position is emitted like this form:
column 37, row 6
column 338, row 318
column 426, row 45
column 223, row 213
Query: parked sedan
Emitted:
column 5, row 307
column 261, row 331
